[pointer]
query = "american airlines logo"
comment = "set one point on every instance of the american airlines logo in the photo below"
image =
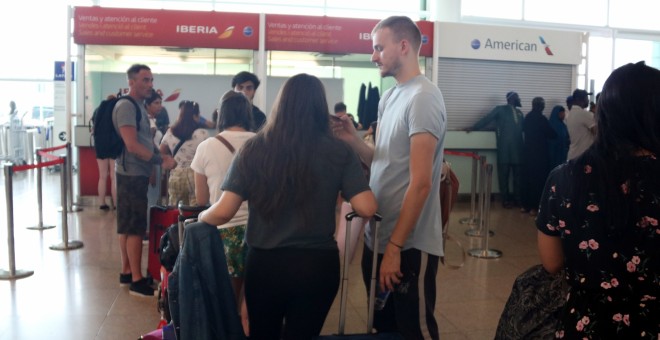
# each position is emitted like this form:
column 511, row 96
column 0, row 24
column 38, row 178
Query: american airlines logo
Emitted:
column 512, row 45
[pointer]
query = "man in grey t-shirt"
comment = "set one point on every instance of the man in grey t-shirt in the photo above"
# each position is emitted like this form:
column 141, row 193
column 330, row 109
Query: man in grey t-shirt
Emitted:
column 132, row 169
column 405, row 177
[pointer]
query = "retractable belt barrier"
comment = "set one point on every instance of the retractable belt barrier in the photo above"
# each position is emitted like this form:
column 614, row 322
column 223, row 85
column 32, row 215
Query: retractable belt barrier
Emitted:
column 9, row 170
column 479, row 222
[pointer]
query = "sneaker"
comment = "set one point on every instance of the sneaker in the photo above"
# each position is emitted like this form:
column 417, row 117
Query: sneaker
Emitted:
column 125, row 279
column 141, row 288
column 104, row 207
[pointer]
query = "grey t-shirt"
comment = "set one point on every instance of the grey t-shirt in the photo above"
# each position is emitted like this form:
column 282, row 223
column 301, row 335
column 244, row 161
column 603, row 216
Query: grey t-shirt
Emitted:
column 337, row 168
column 414, row 107
column 123, row 115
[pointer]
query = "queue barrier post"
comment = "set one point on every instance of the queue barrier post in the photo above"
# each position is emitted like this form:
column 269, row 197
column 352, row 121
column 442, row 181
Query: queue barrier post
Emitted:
column 66, row 244
column 486, row 252
column 478, row 229
column 472, row 219
column 12, row 273
column 73, row 206
column 40, row 225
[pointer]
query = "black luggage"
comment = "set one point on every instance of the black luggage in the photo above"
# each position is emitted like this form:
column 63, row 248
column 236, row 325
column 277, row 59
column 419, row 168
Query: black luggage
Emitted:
column 372, row 292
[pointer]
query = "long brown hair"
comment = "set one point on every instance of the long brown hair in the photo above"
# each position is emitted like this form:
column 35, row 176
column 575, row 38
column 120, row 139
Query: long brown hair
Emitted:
column 276, row 164
column 185, row 123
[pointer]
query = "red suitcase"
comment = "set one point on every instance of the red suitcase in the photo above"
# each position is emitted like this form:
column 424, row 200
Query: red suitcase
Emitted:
column 160, row 218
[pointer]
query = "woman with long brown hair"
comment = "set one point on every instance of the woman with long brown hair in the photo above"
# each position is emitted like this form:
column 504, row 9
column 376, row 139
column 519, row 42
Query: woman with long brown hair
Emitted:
column 181, row 141
column 291, row 173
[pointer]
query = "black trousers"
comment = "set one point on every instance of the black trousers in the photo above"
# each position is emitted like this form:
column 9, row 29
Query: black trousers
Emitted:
column 290, row 291
column 410, row 307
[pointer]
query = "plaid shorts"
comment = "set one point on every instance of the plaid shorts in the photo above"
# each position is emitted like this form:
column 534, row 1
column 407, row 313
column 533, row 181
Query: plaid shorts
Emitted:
column 132, row 204
column 181, row 186
column 233, row 239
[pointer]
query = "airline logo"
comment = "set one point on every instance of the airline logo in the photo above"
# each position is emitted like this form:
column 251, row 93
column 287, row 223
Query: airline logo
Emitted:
column 547, row 47
column 513, row 45
column 211, row 30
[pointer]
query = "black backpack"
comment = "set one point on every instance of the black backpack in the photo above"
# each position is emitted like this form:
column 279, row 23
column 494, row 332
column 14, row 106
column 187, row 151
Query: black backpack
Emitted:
column 107, row 141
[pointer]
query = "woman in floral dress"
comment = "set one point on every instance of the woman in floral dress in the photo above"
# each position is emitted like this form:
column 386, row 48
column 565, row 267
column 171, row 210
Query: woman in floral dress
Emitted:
column 599, row 217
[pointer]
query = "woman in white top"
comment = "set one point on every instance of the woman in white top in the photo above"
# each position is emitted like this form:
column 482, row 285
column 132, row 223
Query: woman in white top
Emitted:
column 211, row 163
column 181, row 182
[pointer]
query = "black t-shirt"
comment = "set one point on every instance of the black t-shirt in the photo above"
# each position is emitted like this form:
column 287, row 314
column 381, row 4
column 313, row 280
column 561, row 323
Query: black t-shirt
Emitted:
column 339, row 169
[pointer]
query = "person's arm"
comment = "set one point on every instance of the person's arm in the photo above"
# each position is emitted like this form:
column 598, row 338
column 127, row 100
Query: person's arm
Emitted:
column 552, row 255
column 129, row 136
column 343, row 129
column 164, row 148
column 422, row 149
column 364, row 204
column 481, row 123
column 223, row 210
column 202, row 194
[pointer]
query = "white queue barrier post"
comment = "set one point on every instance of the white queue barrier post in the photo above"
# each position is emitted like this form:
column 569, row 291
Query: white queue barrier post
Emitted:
column 486, row 252
column 472, row 219
column 12, row 273
column 477, row 230
column 68, row 164
column 40, row 225
column 66, row 244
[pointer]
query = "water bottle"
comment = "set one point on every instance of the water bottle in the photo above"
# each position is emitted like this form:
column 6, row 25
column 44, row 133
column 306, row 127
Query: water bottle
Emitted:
column 381, row 299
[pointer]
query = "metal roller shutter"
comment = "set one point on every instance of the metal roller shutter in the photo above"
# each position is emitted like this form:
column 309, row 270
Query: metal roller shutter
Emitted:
column 471, row 88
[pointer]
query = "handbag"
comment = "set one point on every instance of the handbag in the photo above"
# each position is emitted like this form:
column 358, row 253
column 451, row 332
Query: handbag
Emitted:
column 448, row 196
column 534, row 306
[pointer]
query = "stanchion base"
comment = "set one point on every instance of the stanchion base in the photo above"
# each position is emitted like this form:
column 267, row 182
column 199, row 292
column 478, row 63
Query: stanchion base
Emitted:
column 42, row 227
column 485, row 253
column 67, row 246
column 468, row 221
column 19, row 274
column 478, row 233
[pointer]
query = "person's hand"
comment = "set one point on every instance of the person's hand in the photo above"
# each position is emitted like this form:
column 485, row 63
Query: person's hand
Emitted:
column 390, row 268
column 168, row 162
column 343, row 128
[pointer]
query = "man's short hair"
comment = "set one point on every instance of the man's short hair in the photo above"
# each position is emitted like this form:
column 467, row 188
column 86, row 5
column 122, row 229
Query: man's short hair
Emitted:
column 135, row 69
column 244, row 76
column 340, row 107
column 402, row 27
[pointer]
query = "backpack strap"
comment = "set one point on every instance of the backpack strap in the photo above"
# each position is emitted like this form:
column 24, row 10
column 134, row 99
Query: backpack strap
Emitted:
column 177, row 147
column 226, row 143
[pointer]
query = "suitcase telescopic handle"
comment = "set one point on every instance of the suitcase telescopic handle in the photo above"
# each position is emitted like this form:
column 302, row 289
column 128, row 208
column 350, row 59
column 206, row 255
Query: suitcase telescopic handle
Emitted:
column 351, row 215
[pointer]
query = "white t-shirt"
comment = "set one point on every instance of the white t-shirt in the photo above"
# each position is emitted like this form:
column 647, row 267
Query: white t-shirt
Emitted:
column 416, row 106
column 187, row 150
column 579, row 123
column 212, row 160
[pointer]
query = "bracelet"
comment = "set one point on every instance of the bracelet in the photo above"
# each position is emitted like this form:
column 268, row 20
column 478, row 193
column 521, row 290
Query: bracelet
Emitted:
column 396, row 245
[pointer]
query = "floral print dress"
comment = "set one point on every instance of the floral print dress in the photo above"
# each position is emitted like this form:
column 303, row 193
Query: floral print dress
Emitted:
column 614, row 278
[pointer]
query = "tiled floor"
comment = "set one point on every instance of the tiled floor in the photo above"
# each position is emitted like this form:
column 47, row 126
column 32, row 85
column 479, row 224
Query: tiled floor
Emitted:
column 74, row 294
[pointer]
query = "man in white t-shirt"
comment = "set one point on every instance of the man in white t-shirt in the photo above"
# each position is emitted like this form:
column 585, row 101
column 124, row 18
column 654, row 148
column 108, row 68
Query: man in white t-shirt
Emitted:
column 581, row 124
column 405, row 177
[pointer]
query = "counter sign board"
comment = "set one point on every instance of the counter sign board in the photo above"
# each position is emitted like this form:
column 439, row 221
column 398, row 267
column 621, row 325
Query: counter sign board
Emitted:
column 146, row 27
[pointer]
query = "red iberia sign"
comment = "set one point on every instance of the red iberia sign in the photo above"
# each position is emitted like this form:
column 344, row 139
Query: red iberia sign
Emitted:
column 146, row 27
column 329, row 34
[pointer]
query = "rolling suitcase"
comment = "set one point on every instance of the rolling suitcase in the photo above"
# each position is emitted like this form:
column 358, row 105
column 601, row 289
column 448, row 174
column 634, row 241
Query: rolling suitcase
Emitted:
column 372, row 291
column 160, row 218
column 169, row 251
